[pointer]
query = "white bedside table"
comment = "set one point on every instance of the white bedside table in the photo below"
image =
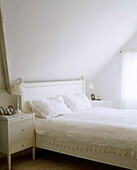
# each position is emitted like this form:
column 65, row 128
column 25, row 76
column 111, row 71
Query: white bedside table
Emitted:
column 101, row 103
column 16, row 134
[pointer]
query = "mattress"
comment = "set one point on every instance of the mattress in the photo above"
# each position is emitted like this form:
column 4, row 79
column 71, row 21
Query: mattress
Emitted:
column 100, row 129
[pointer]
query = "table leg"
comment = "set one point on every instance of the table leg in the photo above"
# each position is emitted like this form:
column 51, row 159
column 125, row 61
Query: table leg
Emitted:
column 33, row 152
column 9, row 161
column 22, row 153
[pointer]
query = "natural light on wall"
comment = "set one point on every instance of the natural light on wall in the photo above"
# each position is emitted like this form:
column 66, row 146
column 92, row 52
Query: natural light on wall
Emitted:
column 129, row 80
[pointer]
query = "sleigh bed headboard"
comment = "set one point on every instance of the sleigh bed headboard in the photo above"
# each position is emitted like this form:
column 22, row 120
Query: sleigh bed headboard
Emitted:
column 40, row 90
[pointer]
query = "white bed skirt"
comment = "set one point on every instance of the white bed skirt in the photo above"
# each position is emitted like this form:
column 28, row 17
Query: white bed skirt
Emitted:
column 124, row 161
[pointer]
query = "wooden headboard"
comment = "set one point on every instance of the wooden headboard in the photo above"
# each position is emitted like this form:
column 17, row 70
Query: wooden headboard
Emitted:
column 42, row 90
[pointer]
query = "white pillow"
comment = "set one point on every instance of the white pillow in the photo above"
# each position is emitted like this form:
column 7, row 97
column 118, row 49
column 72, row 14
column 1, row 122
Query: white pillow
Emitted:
column 77, row 102
column 50, row 107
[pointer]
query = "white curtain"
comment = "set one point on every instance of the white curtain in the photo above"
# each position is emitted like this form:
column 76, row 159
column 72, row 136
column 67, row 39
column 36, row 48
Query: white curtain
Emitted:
column 129, row 80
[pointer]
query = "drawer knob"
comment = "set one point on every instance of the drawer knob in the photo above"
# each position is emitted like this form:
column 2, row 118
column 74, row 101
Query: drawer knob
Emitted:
column 23, row 130
column 21, row 117
column 22, row 145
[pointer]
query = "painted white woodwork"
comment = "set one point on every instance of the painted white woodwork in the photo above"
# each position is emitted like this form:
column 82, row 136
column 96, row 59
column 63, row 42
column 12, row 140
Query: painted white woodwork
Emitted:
column 3, row 52
column 50, row 89
column 101, row 103
column 17, row 134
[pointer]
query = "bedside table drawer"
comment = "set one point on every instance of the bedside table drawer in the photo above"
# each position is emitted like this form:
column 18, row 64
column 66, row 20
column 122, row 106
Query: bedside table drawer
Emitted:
column 16, row 132
column 21, row 130
column 21, row 145
column 28, row 129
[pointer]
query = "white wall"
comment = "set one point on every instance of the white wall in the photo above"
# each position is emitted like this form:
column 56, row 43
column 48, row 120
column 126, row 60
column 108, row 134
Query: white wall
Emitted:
column 108, row 81
column 7, row 99
column 65, row 39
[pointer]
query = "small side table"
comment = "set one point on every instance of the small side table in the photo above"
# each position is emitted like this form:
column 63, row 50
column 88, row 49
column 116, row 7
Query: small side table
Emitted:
column 17, row 134
column 101, row 103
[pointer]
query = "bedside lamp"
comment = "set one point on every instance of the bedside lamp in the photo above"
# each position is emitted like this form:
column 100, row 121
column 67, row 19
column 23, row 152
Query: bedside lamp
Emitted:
column 17, row 90
column 90, row 87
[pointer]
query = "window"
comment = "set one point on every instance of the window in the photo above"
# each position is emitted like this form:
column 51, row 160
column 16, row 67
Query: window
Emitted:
column 129, row 80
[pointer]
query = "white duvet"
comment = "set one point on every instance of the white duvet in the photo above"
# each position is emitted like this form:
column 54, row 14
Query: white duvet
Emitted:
column 104, row 129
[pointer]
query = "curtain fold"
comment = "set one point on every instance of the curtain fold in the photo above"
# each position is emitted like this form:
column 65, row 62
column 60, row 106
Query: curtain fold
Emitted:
column 129, row 80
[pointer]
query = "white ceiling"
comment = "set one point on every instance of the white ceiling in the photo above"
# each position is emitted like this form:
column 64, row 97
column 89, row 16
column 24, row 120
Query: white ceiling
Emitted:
column 64, row 39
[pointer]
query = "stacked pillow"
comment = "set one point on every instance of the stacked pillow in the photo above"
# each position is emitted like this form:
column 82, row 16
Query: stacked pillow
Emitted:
column 47, row 108
column 60, row 105
column 77, row 102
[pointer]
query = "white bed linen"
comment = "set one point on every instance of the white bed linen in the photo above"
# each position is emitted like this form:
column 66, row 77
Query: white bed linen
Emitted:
column 49, row 107
column 77, row 102
column 101, row 129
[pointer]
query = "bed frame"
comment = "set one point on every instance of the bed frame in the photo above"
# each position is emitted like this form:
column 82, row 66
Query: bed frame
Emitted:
column 50, row 89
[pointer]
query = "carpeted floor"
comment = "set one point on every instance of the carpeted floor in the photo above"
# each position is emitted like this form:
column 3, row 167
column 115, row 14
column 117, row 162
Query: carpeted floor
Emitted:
column 46, row 160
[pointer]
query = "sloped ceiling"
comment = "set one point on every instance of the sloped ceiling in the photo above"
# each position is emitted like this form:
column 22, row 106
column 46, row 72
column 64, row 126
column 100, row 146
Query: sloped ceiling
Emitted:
column 131, row 45
column 64, row 39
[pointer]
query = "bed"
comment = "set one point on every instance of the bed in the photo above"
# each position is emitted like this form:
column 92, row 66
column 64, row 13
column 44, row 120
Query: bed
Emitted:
column 98, row 134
